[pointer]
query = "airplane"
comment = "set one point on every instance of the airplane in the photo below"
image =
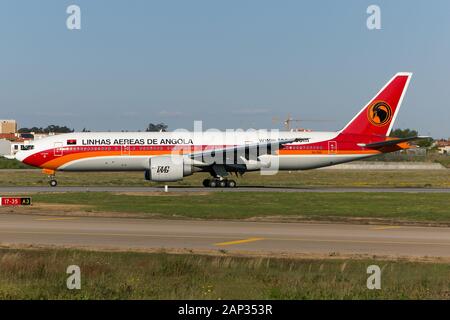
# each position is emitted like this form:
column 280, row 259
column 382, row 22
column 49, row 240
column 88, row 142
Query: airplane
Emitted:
column 171, row 156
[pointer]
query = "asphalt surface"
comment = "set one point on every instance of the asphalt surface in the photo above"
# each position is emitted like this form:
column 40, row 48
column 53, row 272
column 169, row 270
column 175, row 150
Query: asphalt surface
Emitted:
column 24, row 190
column 228, row 235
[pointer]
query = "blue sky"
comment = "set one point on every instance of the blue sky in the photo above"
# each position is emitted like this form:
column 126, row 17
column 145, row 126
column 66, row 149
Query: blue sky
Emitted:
column 232, row 64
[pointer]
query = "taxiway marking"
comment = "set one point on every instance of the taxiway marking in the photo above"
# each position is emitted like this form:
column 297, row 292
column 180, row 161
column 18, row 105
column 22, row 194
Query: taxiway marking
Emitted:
column 229, row 243
column 55, row 219
column 386, row 228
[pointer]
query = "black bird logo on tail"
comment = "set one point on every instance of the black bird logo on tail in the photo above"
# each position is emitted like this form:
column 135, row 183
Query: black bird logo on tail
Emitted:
column 379, row 113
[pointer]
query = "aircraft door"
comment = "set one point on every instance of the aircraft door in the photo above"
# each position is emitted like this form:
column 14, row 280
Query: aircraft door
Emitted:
column 332, row 147
column 58, row 149
column 125, row 150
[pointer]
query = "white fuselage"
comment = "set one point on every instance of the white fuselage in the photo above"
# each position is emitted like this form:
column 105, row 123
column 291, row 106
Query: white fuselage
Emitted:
column 130, row 151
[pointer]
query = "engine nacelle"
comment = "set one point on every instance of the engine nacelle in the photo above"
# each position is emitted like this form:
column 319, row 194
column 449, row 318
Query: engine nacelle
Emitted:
column 168, row 168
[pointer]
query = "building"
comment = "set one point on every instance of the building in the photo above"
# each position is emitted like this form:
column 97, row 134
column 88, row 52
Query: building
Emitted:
column 5, row 147
column 443, row 146
column 8, row 126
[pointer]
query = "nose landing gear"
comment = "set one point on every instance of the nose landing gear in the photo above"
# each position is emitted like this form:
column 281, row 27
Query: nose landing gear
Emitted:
column 51, row 177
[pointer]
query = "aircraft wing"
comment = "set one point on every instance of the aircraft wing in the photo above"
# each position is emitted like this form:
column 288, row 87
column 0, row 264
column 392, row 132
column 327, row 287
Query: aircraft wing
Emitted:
column 260, row 148
column 392, row 142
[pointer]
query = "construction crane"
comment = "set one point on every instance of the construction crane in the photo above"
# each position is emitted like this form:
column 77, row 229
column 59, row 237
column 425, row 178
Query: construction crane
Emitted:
column 287, row 122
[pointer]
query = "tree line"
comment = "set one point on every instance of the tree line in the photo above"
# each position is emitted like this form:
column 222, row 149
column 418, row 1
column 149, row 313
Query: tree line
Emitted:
column 152, row 127
column 405, row 133
column 49, row 129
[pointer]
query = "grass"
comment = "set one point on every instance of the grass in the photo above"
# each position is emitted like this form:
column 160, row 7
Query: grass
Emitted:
column 312, row 178
column 12, row 164
column 445, row 161
column 230, row 205
column 41, row 274
column 430, row 157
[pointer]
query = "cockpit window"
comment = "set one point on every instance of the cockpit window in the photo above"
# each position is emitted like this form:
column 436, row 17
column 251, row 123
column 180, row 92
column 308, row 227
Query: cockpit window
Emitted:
column 27, row 147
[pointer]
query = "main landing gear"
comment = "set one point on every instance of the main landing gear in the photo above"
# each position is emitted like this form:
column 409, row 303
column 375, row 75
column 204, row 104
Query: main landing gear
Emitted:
column 219, row 183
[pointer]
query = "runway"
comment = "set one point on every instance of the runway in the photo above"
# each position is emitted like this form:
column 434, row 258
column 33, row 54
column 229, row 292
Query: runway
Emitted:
column 258, row 237
column 25, row 190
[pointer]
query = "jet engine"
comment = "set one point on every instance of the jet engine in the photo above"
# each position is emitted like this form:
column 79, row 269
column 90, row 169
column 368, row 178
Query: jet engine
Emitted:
column 168, row 168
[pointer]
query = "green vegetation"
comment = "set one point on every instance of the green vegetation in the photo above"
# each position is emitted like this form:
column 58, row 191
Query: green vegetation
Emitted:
column 403, row 157
column 303, row 179
column 12, row 164
column 242, row 205
column 158, row 127
column 444, row 160
column 41, row 274
column 50, row 128
column 404, row 133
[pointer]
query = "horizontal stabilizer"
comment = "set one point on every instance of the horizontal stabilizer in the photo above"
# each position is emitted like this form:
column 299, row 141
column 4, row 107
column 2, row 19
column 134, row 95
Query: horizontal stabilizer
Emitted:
column 392, row 142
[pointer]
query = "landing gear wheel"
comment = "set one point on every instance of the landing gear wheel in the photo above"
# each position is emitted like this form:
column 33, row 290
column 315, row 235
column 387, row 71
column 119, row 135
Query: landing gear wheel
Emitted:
column 206, row 182
column 231, row 184
column 222, row 183
column 53, row 183
column 212, row 183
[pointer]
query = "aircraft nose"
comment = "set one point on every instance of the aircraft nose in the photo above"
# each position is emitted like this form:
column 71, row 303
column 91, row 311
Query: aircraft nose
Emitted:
column 20, row 156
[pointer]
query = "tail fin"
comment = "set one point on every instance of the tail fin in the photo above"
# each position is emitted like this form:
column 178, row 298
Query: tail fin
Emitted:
column 378, row 116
